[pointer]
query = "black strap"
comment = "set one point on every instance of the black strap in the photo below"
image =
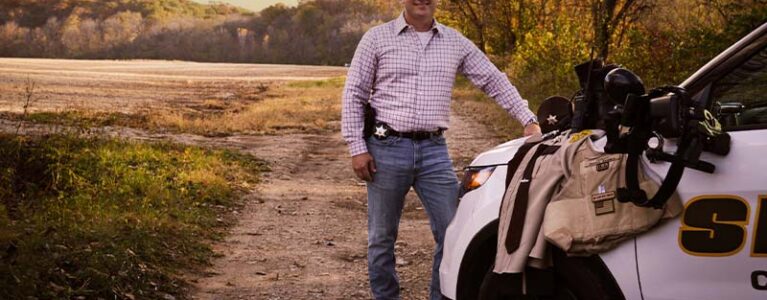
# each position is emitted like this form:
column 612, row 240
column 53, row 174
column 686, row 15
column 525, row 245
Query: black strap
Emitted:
column 633, row 192
column 515, row 161
column 519, row 212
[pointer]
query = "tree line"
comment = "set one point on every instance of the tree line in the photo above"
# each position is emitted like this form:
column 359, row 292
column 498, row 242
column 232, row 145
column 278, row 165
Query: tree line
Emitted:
column 315, row 32
column 537, row 41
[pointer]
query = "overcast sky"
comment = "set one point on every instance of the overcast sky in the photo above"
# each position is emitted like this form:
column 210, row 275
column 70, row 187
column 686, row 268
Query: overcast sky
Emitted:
column 254, row 5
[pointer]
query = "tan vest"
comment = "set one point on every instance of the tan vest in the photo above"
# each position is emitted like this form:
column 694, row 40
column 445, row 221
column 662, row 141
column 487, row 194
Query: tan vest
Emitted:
column 585, row 217
column 571, row 203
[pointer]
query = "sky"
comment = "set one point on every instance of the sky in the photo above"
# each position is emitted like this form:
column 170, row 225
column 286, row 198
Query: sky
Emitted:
column 254, row 5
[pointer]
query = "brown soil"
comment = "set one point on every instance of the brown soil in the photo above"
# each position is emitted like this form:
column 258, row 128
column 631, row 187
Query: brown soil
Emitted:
column 302, row 232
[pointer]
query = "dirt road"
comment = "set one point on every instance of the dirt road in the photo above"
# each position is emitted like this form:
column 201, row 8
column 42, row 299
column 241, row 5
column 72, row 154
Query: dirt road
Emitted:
column 303, row 235
column 302, row 232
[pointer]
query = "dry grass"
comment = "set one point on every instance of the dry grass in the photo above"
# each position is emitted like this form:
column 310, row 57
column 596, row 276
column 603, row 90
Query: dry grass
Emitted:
column 308, row 106
column 470, row 101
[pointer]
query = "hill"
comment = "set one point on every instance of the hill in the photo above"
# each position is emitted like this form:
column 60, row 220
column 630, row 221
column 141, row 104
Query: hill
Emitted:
column 35, row 13
column 321, row 32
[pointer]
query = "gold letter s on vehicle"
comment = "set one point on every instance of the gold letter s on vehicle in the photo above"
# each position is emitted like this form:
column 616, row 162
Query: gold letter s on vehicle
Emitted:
column 714, row 225
column 756, row 282
column 759, row 248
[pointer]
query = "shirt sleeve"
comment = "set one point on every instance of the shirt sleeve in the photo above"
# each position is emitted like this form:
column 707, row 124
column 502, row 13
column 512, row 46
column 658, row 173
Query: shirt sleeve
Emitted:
column 486, row 76
column 357, row 90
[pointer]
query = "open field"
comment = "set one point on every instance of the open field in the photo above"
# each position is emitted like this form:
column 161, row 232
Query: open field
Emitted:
column 141, row 86
column 301, row 233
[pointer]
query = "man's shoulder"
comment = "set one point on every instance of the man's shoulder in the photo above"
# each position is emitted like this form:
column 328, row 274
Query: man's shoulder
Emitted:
column 452, row 33
column 381, row 29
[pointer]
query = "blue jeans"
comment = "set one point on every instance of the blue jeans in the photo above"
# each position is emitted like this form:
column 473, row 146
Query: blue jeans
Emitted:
column 402, row 163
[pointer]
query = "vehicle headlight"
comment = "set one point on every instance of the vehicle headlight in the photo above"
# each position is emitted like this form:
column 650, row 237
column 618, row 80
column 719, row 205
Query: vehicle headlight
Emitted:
column 474, row 177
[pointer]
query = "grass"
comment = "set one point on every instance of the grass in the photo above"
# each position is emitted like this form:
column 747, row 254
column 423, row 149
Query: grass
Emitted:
column 103, row 218
column 79, row 118
column 300, row 106
column 472, row 102
column 304, row 106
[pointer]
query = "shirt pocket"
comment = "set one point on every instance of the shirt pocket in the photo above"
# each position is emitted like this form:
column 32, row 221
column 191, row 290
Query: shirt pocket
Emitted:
column 396, row 61
column 600, row 173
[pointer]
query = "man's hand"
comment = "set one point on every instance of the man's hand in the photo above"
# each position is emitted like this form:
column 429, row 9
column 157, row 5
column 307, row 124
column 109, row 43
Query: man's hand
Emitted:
column 531, row 129
column 364, row 166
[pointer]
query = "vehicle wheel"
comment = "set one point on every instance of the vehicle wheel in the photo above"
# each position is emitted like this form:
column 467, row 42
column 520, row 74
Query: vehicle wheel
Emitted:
column 574, row 277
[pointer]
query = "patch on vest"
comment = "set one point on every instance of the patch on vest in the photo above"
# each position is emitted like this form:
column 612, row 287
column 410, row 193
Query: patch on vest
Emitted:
column 604, row 203
column 602, row 163
column 577, row 136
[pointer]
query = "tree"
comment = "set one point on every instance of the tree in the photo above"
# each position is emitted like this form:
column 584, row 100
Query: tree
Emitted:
column 121, row 29
column 607, row 16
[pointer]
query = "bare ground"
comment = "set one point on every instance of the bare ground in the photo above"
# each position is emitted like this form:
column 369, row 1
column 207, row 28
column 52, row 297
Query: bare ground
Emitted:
column 303, row 235
column 302, row 232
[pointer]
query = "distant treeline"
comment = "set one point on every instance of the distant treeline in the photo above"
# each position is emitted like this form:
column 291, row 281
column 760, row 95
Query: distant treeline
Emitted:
column 316, row 32
column 536, row 41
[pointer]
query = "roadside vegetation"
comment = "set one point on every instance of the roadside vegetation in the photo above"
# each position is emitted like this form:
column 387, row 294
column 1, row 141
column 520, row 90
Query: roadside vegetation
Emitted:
column 304, row 106
column 293, row 107
column 87, row 218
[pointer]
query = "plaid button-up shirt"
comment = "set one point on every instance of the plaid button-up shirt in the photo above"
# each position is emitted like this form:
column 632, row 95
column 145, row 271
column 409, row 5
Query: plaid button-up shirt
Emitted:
column 410, row 85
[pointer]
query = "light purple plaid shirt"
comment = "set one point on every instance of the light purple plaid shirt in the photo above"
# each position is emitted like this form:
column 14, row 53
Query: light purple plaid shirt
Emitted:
column 410, row 86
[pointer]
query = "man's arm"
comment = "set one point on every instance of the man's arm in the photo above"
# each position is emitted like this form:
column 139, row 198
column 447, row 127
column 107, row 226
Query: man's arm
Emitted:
column 359, row 84
column 486, row 76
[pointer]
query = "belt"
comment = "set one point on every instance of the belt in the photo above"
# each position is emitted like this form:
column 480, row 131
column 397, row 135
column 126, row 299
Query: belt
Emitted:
column 382, row 131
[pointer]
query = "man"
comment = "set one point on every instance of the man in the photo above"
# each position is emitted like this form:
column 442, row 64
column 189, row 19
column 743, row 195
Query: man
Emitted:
column 406, row 69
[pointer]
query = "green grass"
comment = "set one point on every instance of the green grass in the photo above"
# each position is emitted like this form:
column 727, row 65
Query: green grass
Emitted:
column 102, row 218
column 80, row 119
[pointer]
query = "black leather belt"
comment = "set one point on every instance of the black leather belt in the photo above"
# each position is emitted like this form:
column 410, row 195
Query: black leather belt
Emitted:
column 382, row 131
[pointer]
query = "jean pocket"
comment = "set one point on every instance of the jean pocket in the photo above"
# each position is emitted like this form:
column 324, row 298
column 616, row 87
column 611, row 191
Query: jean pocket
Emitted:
column 389, row 140
column 439, row 140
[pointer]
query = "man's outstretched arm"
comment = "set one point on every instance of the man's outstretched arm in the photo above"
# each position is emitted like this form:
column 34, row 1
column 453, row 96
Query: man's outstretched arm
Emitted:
column 486, row 76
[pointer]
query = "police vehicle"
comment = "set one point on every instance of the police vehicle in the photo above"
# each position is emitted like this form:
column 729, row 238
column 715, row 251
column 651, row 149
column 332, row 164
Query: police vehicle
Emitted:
column 717, row 248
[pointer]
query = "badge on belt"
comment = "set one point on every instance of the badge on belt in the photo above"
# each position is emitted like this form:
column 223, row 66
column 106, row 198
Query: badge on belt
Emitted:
column 380, row 131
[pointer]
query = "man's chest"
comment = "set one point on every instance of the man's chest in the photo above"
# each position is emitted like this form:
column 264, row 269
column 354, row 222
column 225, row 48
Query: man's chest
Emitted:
column 405, row 56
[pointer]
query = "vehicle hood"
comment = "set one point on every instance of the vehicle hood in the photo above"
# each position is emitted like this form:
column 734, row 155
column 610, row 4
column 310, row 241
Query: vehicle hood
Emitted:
column 500, row 154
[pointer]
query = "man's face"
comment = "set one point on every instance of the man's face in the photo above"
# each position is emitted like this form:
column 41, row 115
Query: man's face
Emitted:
column 420, row 8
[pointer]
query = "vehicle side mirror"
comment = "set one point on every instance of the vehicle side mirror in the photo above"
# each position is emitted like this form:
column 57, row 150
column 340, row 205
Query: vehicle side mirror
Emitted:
column 666, row 115
column 728, row 113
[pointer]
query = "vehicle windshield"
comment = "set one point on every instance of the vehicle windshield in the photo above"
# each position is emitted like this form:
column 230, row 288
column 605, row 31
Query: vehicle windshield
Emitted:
column 746, row 85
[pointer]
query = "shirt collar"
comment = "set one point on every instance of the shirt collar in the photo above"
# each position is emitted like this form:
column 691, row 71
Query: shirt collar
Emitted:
column 400, row 25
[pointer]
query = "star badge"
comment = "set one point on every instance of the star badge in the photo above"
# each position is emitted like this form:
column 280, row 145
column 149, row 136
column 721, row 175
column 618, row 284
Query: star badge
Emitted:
column 380, row 131
column 552, row 119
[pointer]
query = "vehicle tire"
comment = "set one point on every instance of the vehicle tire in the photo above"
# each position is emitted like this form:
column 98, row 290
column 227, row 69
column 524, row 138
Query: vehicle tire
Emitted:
column 574, row 277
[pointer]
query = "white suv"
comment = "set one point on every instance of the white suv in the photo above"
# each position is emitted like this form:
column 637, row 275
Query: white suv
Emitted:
column 716, row 250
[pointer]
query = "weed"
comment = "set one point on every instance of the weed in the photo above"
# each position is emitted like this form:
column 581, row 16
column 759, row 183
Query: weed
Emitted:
column 102, row 218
